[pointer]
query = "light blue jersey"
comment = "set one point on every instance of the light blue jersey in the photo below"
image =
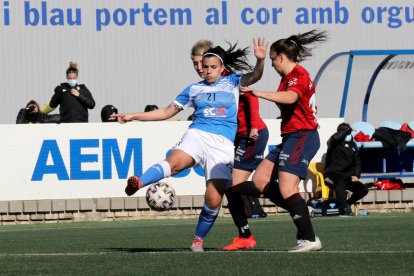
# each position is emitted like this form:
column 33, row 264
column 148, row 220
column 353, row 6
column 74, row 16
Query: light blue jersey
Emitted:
column 215, row 105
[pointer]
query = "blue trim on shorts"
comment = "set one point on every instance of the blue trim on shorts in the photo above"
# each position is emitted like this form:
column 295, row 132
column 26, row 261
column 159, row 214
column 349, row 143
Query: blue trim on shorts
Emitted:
column 295, row 152
column 248, row 154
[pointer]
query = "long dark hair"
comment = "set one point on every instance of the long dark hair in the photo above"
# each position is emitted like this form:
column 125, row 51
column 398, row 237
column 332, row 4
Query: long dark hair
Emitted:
column 295, row 46
column 235, row 60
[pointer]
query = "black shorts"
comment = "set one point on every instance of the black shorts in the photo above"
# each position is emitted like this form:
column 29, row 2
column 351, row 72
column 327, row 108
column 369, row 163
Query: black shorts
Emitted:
column 248, row 153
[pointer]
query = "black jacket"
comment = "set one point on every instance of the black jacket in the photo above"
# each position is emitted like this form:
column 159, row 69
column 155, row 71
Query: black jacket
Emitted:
column 392, row 138
column 342, row 158
column 72, row 109
column 24, row 118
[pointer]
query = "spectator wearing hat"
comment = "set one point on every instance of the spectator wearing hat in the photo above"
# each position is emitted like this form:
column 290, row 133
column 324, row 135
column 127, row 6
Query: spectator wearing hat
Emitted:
column 150, row 107
column 106, row 113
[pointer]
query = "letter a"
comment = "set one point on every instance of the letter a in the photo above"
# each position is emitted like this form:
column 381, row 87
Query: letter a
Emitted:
column 58, row 166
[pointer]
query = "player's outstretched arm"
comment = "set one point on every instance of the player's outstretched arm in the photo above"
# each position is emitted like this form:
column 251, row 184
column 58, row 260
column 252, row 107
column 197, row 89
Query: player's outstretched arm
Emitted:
column 260, row 49
column 287, row 97
column 155, row 115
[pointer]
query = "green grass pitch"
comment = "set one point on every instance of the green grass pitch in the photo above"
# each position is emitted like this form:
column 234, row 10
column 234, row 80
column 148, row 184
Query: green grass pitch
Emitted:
column 379, row 244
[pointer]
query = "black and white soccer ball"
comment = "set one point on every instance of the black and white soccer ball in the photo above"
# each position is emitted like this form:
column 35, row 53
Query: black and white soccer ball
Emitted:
column 160, row 196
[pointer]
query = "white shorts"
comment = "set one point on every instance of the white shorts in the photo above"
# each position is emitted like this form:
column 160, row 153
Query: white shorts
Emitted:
column 215, row 153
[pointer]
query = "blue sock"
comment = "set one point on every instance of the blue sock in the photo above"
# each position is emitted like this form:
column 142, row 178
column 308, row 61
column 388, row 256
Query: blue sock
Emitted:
column 155, row 173
column 206, row 221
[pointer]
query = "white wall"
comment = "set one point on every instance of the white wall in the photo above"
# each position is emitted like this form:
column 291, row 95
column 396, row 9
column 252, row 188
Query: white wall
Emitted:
column 83, row 145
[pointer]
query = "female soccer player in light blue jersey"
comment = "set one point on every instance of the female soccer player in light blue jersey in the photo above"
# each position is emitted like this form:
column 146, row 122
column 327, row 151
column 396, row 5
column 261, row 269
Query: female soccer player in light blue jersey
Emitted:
column 209, row 139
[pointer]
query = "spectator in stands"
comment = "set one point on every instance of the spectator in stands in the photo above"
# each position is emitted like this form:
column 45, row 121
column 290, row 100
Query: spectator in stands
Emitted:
column 31, row 115
column 106, row 113
column 343, row 169
column 73, row 98
column 150, row 107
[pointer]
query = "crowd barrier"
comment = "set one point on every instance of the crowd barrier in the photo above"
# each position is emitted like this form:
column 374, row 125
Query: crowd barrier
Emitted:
column 76, row 172
column 66, row 161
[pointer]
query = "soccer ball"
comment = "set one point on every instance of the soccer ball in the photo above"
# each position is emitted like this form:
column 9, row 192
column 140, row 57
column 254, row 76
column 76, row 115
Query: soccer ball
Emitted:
column 160, row 196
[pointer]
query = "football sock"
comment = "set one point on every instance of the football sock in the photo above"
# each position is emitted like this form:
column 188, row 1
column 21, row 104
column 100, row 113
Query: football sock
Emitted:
column 155, row 173
column 206, row 221
column 272, row 192
column 246, row 188
column 238, row 213
column 300, row 215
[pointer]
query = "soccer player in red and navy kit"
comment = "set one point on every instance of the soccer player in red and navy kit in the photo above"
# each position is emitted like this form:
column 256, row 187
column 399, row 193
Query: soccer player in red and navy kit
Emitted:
column 289, row 161
column 250, row 144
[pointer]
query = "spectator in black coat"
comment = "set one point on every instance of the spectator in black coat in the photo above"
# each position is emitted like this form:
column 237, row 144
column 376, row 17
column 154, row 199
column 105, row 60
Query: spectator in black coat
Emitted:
column 31, row 115
column 73, row 98
column 343, row 169
column 106, row 113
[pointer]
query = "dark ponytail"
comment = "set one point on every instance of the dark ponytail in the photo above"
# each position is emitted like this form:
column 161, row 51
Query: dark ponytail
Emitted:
column 295, row 46
column 234, row 60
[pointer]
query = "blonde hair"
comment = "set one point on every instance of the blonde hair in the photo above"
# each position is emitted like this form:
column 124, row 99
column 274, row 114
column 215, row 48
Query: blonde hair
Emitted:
column 73, row 64
column 73, row 68
column 200, row 47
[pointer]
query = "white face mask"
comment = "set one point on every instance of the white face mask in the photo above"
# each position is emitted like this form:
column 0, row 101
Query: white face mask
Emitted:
column 348, row 138
column 73, row 82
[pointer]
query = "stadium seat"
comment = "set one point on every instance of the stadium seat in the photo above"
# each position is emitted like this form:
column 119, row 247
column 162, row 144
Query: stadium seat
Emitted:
column 364, row 127
column 317, row 169
column 391, row 124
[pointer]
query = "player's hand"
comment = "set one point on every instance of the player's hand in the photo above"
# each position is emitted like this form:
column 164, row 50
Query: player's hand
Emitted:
column 74, row 92
column 122, row 118
column 354, row 178
column 254, row 134
column 260, row 47
column 248, row 89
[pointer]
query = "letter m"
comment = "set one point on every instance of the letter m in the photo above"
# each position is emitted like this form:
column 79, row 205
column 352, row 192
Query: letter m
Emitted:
column 110, row 151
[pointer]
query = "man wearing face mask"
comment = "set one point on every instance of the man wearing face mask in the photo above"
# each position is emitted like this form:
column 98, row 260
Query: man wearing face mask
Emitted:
column 73, row 98
column 343, row 169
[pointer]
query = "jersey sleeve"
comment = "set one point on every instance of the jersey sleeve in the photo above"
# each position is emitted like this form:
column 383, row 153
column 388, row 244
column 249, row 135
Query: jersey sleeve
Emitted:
column 298, row 85
column 183, row 99
column 235, row 79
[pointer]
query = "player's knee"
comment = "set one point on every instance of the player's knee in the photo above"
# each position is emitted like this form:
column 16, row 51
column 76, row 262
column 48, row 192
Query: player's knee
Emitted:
column 175, row 166
column 213, row 202
column 260, row 182
column 287, row 190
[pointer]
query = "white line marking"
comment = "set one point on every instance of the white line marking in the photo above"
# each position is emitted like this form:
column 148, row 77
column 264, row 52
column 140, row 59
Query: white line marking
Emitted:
column 3, row 255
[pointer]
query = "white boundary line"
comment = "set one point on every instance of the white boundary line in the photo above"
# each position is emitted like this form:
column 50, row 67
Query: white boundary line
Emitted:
column 5, row 255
